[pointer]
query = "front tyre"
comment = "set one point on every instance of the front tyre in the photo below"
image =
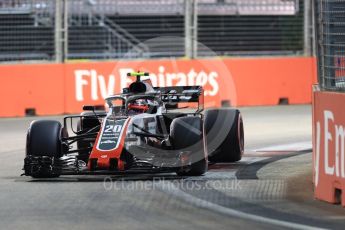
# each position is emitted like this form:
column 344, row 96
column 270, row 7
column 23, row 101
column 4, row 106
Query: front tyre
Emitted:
column 187, row 136
column 43, row 149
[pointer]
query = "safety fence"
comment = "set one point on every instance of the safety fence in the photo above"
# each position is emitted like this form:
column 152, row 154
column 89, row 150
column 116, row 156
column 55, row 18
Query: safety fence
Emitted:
column 331, row 43
column 329, row 101
column 59, row 30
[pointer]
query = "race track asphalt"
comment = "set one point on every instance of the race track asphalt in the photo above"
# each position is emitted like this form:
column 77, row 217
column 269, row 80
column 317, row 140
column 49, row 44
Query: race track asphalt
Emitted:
column 266, row 190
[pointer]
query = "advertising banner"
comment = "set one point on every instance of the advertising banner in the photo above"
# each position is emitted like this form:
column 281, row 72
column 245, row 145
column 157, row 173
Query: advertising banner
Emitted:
column 329, row 146
column 65, row 88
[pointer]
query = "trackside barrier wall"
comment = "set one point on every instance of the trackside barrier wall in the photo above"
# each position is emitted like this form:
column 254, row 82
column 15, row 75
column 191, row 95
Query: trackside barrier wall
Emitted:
column 329, row 146
column 329, row 101
column 63, row 88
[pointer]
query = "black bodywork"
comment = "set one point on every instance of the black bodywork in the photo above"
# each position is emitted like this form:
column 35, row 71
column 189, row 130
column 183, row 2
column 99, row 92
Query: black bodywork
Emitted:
column 154, row 153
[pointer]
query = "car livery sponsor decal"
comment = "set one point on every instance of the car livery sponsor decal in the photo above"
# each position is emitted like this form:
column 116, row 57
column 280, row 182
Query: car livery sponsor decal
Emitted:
column 112, row 132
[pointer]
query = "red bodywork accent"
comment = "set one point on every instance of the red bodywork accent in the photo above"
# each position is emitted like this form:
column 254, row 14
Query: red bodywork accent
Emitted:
column 103, row 157
column 141, row 108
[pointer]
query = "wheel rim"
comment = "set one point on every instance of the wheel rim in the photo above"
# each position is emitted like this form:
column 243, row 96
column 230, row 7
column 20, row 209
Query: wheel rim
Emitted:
column 240, row 134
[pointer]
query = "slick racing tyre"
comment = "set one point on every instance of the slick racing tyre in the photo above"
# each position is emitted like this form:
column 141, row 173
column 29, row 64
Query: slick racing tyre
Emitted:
column 187, row 136
column 43, row 148
column 224, row 134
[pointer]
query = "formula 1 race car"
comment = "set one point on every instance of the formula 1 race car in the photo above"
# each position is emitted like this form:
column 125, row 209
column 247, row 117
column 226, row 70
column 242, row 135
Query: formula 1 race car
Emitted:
column 146, row 129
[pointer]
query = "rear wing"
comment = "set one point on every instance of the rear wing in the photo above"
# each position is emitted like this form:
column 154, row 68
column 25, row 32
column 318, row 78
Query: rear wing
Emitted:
column 173, row 95
column 180, row 93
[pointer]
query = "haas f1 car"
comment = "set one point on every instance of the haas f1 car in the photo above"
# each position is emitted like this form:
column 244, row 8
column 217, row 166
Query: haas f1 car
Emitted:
column 144, row 129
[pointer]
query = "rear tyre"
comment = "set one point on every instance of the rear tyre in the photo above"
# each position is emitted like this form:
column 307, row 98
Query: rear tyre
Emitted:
column 224, row 134
column 187, row 136
column 44, row 147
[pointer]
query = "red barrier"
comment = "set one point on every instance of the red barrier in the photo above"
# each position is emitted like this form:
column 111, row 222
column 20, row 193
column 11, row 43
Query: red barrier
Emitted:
column 329, row 146
column 64, row 88
column 39, row 87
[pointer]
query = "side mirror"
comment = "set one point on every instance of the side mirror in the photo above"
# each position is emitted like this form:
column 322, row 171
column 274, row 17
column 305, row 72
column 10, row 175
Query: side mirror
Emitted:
column 89, row 108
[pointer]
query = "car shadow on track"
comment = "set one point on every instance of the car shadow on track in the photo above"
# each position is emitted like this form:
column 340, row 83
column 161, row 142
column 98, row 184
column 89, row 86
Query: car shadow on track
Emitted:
column 213, row 167
column 102, row 178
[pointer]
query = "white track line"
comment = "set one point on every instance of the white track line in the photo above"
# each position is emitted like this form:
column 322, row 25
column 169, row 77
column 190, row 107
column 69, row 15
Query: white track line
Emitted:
column 173, row 190
column 295, row 147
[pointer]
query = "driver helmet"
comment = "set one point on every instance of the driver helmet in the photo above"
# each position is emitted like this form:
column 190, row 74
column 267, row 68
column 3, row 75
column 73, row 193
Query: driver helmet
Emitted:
column 138, row 106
